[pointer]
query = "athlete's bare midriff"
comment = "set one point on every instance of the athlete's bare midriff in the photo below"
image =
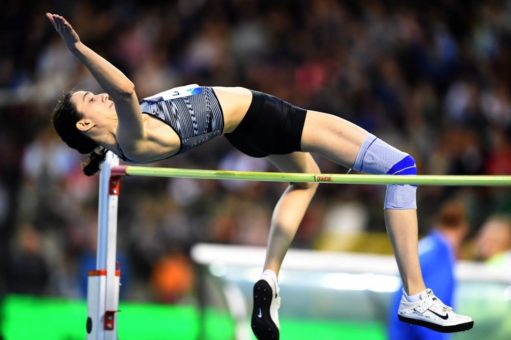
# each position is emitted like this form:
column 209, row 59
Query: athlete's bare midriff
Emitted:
column 164, row 142
column 235, row 102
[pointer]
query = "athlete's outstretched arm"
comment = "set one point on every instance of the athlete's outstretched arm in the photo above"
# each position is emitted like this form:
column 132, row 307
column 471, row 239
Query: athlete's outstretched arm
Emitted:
column 111, row 79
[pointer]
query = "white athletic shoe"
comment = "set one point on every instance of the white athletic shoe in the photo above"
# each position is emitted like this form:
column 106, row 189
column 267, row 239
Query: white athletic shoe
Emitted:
column 265, row 312
column 430, row 312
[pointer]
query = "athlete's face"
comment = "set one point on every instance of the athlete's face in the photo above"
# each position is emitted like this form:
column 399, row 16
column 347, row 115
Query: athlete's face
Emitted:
column 97, row 110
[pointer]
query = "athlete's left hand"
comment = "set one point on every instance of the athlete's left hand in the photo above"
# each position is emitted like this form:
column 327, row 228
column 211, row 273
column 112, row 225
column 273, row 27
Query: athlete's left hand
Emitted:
column 64, row 28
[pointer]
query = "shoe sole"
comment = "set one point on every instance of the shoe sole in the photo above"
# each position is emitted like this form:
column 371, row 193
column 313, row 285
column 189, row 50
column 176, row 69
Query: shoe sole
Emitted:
column 262, row 324
column 439, row 328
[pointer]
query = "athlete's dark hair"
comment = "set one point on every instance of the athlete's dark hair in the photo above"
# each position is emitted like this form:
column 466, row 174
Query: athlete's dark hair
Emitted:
column 64, row 118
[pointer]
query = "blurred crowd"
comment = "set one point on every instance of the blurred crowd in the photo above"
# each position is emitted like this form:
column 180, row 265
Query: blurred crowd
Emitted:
column 431, row 78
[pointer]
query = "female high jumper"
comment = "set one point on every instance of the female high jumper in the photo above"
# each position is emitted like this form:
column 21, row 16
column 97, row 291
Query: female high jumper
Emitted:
column 258, row 125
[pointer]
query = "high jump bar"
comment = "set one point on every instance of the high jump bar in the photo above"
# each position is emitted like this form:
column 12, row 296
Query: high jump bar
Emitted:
column 430, row 180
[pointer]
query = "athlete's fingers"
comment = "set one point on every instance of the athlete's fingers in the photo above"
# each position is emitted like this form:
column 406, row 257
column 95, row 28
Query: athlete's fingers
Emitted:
column 62, row 23
column 52, row 19
column 55, row 20
column 59, row 24
column 68, row 25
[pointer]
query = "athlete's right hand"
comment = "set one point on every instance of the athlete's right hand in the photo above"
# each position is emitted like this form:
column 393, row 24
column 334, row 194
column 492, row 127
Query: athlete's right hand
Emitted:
column 64, row 28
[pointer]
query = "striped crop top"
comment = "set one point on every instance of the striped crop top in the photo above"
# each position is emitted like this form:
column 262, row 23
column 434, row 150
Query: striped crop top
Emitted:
column 192, row 111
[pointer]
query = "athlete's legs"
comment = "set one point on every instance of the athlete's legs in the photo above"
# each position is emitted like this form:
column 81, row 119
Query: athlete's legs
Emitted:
column 291, row 207
column 287, row 215
column 341, row 141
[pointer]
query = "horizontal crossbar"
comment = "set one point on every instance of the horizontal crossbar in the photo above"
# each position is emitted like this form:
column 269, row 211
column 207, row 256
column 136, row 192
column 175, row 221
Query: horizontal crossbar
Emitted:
column 432, row 180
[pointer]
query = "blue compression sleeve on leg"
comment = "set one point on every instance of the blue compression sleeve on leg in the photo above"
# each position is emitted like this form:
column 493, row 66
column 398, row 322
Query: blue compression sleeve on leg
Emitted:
column 377, row 157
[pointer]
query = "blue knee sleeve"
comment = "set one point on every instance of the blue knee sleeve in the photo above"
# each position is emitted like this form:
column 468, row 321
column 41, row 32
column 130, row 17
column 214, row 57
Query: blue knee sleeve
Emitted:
column 377, row 157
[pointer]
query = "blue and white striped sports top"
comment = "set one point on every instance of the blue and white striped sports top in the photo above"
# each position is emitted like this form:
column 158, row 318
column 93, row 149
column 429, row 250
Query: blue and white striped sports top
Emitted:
column 192, row 111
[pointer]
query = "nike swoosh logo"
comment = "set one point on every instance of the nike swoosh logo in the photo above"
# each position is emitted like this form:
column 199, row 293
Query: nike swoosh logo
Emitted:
column 444, row 317
column 260, row 314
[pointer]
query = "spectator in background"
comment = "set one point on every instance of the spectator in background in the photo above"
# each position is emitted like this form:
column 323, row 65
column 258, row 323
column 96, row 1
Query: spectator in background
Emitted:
column 437, row 255
column 493, row 244
column 27, row 271
column 172, row 277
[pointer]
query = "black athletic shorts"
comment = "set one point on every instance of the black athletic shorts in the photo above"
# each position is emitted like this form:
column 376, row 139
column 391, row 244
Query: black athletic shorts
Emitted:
column 271, row 126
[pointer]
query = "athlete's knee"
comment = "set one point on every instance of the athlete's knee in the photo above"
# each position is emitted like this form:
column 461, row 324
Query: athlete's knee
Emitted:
column 402, row 196
column 377, row 157
column 311, row 187
column 406, row 166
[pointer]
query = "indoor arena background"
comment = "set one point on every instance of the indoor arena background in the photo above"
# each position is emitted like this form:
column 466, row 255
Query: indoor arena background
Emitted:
column 432, row 79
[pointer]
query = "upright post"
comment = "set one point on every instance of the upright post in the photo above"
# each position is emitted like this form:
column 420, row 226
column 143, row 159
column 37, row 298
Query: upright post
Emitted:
column 103, row 283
